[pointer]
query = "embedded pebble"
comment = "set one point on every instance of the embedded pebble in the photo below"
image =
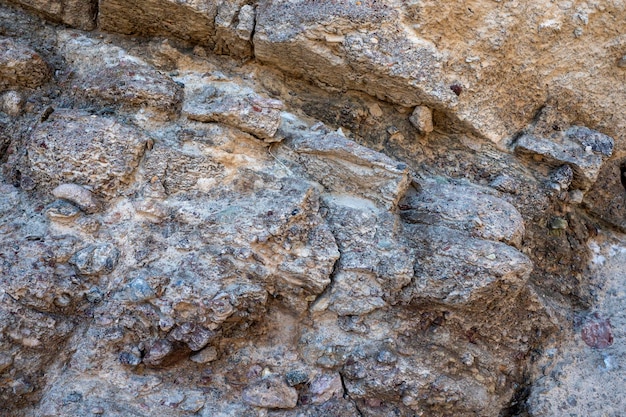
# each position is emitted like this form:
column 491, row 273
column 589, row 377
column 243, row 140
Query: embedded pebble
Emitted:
column 271, row 392
column 96, row 259
column 78, row 195
column 296, row 377
column 158, row 351
column 422, row 119
column 62, row 211
column 139, row 290
column 206, row 355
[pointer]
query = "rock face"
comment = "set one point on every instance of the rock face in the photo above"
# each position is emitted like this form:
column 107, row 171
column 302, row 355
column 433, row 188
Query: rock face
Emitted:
column 306, row 208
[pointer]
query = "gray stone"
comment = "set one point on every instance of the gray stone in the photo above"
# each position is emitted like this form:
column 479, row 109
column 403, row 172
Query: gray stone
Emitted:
column 206, row 355
column 583, row 149
column 62, row 211
column 96, row 259
column 11, row 103
column 158, row 352
column 134, row 86
column 249, row 112
column 343, row 166
column 78, row 195
column 271, row 392
column 456, row 269
column 294, row 378
column 463, row 207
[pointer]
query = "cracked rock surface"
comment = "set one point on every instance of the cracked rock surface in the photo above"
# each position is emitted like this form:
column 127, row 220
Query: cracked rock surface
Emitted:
column 311, row 208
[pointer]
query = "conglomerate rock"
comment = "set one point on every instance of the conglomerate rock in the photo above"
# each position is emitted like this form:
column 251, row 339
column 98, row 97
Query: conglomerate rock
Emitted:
column 373, row 208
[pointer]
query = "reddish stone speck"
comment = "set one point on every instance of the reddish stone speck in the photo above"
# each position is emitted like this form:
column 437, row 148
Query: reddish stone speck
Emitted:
column 457, row 89
column 597, row 333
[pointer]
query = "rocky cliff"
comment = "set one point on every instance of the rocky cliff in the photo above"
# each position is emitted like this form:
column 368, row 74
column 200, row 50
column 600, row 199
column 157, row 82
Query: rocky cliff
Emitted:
column 312, row 208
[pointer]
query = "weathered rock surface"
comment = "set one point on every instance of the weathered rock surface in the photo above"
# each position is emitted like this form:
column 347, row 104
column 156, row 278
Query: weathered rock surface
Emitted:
column 231, row 105
column 76, row 147
column 583, row 149
column 80, row 14
column 20, row 66
column 374, row 208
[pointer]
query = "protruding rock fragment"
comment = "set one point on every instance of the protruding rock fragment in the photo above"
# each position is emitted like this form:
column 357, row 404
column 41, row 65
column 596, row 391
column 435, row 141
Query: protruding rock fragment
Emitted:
column 324, row 387
column 466, row 208
column 455, row 269
column 78, row 195
column 206, row 355
column 375, row 262
column 80, row 14
column 422, row 119
column 271, row 392
column 157, row 352
column 583, row 149
column 186, row 19
column 234, row 25
column 134, row 86
column 75, row 147
column 96, row 259
column 249, row 112
column 344, row 166
column 62, row 211
column 20, row 66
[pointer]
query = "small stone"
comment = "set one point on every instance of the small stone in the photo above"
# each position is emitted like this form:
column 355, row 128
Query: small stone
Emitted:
column 324, row 387
column 6, row 360
column 21, row 387
column 272, row 392
column 97, row 410
column 11, row 103
column 206, row 355
column 130, row 359
column 139, row 290
column 196, row 337
column 622, row 62
column 194, row 401
column 96, row 259
column 63, row 300
column 576, row 196
column 597, row 333
column 94, row 295
column 558, row 223
column 422, row 119
column 386, row 357
column 78, row 195
column 62, row 211
column 296, row 377
column 375, row 110
column 562, row 176
column 157, row 352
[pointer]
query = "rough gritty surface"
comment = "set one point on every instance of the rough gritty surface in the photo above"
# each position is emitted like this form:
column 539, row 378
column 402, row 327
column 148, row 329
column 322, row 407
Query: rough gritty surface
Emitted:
column 311, row 208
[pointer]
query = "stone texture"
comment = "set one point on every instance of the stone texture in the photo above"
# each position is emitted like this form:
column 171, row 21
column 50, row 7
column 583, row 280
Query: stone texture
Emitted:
column 343, row 166
column 583, row 149
column 80, row 14
column 234, row 106
column 291, row 237
column 76, row 147
column 20, row 66
column 271, row 393
column 189, row 19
